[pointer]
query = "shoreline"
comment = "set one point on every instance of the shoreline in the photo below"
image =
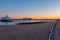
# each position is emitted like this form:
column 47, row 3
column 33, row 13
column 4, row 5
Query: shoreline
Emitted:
column 24, row 23
column 30, row 23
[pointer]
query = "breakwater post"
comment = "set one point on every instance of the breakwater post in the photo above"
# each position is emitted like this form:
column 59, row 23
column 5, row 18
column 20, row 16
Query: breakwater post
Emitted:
column 51, row 36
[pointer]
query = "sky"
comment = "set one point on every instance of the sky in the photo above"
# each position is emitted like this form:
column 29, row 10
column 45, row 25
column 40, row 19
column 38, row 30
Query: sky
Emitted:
column 36, row 9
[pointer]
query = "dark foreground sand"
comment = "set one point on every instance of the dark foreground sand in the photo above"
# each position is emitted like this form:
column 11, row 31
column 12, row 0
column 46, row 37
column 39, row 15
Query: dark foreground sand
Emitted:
column 25, row 32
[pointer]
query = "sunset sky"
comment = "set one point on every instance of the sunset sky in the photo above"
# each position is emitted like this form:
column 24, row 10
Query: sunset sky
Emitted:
column 36, row 9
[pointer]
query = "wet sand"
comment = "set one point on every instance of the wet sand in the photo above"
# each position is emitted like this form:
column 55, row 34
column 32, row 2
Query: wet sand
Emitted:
column 26, row 32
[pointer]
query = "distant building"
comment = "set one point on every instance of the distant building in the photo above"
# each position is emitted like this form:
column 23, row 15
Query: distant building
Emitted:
column 6, row 19
column 27, row 19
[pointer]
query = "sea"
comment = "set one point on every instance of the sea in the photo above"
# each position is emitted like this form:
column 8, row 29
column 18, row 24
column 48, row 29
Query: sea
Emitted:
column 15, row 22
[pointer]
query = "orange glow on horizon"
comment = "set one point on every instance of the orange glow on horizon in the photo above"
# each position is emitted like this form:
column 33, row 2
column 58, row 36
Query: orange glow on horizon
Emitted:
column 37, row 17
column 34, row 16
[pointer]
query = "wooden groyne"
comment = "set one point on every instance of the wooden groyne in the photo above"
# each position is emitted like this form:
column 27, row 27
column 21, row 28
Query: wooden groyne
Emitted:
column 51, row 36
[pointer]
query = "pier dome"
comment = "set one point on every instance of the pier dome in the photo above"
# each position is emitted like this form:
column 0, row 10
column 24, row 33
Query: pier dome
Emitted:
column 6, row 19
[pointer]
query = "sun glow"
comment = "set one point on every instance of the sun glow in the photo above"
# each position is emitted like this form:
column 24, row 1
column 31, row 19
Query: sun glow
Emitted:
column 36, row 17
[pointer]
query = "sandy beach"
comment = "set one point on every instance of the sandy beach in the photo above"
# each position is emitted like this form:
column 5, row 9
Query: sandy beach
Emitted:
column 26, row 32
